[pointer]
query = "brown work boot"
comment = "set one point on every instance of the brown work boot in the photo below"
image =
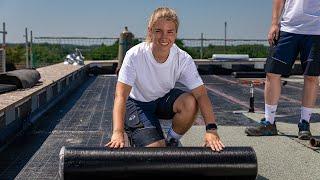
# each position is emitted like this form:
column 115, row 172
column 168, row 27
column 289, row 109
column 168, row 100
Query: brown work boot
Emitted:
column 265, row 128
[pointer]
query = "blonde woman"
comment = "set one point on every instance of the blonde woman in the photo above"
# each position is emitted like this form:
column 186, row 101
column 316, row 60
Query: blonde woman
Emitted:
column 145, row 91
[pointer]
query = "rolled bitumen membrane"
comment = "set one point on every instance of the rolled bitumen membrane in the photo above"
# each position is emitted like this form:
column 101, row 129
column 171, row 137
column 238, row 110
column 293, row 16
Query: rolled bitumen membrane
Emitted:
column 99, row 162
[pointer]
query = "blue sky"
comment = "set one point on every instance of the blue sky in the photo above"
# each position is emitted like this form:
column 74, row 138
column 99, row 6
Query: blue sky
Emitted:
column 107, row 18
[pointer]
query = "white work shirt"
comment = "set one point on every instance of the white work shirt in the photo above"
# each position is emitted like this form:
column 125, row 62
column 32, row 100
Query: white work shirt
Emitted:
column 151, row 80
column 301, row 17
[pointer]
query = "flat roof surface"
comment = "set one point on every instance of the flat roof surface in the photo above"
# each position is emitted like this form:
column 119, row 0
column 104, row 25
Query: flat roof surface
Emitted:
column 84, row 118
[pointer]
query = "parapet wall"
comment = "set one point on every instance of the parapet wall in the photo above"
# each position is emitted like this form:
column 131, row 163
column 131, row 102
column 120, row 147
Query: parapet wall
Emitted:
column 19, row 109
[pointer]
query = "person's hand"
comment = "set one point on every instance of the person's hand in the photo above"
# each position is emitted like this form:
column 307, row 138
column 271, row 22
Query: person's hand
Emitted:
column 273, row 34
column 213, row 141
column 117, row 140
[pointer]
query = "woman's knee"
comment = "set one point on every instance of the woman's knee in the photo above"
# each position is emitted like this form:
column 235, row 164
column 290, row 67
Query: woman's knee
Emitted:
column 189, row 103
column 311, row 79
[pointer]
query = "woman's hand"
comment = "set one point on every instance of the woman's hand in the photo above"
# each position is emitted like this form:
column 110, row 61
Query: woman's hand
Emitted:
column 212, row 140
column 117, row 140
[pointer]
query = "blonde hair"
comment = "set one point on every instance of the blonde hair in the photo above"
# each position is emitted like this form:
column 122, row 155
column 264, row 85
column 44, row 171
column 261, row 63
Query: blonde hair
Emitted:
column 162, row 13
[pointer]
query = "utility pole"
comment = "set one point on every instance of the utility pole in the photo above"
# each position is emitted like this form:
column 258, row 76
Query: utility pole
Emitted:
column 27, row 49
column 4, row 32
column 225, row 37
column 201, row 49
column 31, row 54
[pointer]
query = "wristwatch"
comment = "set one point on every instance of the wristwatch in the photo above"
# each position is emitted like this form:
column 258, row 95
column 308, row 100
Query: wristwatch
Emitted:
column 211, row 126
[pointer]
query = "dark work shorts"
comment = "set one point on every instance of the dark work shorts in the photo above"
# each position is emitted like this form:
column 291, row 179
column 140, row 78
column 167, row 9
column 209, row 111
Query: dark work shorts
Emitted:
column 142, row 118
column 283, row 54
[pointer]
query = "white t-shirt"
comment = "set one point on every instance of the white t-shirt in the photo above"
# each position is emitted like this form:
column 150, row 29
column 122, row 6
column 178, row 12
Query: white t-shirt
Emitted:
column 301, row 17
column 151, row 80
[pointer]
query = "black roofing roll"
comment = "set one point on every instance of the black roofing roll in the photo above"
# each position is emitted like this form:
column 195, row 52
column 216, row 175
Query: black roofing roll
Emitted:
column 99, row 162
column 7, row 87
column 249, row 74
column 22, row 78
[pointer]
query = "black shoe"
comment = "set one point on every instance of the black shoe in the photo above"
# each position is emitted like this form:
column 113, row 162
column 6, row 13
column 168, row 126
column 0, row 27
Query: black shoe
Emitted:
column 304, row 130
column 173, row 143
column 265, row 128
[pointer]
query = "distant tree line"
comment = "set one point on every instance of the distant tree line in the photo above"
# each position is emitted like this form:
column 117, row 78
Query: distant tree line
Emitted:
column 46, row 54
column 254, row 51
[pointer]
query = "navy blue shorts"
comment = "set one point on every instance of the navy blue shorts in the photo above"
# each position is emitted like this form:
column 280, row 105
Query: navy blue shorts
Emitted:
column 142, row 118
column 283, row 54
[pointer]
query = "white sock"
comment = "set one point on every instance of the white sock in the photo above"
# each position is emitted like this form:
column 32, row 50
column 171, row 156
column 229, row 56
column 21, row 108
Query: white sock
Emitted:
column 172, row 134
column 306, row 113
column 270, row 112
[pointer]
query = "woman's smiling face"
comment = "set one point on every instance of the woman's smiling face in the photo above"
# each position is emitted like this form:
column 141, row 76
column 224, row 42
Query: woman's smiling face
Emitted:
column 163, row 34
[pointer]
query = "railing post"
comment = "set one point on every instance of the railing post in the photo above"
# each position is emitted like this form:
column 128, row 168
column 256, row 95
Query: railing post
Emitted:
column 27, row 48
column 225, row 37
column 201, row 49
column 4, row 47
column 31, row 53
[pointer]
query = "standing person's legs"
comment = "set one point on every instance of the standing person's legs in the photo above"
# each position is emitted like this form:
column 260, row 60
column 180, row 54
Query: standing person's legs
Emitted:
column 282, row 56
column 279, row 63
column 181, row 107
column 310, row 61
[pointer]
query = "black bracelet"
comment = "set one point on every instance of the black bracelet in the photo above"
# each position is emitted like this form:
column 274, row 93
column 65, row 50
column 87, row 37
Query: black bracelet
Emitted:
column 211, row 126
